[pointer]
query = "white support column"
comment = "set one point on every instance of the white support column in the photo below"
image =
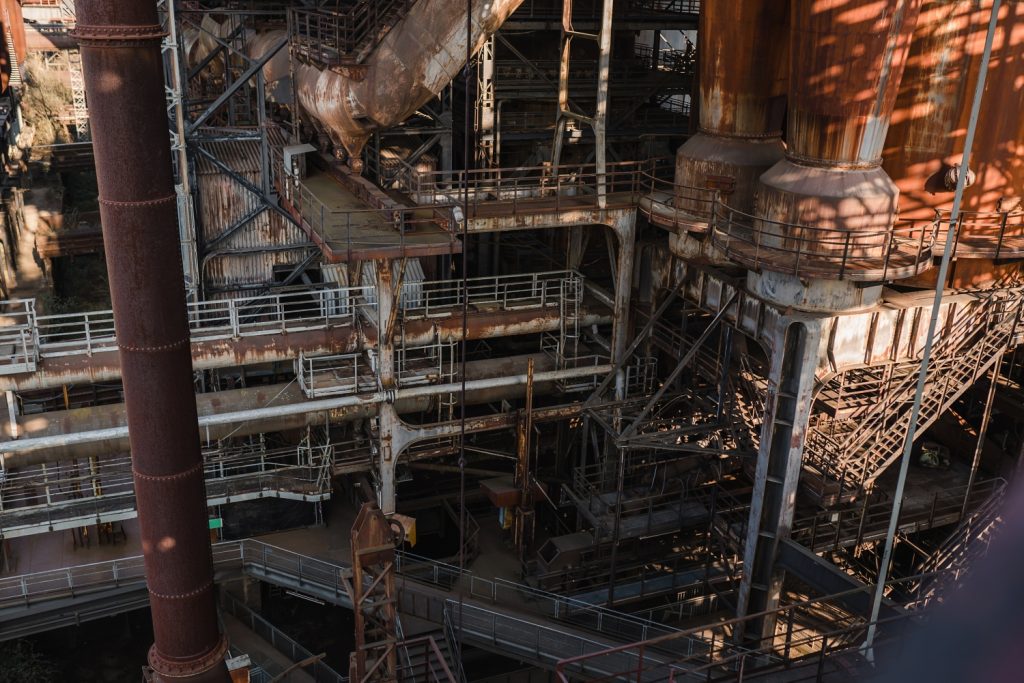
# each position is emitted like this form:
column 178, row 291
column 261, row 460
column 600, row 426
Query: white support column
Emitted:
column 12, row 414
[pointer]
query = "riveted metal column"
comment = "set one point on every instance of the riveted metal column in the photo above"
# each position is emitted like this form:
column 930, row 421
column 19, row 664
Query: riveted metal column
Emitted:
column 787, row 411
column 124, row 80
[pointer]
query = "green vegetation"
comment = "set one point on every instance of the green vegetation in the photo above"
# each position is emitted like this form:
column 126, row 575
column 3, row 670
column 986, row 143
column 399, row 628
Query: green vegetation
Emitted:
column 45, row 102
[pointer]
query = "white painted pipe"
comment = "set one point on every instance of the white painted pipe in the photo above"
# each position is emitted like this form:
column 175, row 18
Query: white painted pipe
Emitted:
column 316, row 405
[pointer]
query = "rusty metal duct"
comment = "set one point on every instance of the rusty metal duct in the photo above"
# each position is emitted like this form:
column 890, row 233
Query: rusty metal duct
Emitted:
column 925, row 141
column 742, row 101
column 123, row 68
column 411, row 65
column 847, row 58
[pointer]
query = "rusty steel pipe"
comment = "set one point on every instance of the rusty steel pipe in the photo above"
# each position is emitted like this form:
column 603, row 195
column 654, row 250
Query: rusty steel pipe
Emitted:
column 84, row 432
column 123, row 68
column 847, row 60
column 925, row 141
column 743, row 58
column 412, row 64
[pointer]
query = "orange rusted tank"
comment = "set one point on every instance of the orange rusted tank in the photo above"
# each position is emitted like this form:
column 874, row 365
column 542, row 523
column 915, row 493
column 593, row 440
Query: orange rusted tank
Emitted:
column 847, row 61
column 742, row 55
column 412, row 64
column 925, row 143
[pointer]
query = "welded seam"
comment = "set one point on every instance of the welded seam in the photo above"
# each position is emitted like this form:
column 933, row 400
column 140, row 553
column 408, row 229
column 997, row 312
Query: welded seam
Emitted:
column 168, row 477
column 118, row 35
column 143, row 202
column 156, row 349
column 183, row 596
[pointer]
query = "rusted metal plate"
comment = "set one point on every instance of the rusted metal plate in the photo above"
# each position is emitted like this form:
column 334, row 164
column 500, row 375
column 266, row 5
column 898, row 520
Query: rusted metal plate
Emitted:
column 847, row 61
column 410, row 66
column 743, row 55
column 926, row 137
column 743, row 51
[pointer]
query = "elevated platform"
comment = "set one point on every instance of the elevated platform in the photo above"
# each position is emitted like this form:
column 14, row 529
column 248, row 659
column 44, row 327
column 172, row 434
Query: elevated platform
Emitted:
column 347, row 229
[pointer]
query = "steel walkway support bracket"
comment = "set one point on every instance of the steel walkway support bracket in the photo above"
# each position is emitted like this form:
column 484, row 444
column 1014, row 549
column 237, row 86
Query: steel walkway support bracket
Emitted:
column 779, row 460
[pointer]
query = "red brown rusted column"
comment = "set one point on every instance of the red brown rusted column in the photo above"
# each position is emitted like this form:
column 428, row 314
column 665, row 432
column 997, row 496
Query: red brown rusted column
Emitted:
column 743, row 48
column 926, row 138
column 845, row 69
column 120, row 41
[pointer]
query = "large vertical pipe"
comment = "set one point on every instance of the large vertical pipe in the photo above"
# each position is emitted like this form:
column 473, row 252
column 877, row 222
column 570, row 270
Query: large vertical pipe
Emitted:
column 122, row 63
column 926, row 137
column 846, row 63
column 742, row 92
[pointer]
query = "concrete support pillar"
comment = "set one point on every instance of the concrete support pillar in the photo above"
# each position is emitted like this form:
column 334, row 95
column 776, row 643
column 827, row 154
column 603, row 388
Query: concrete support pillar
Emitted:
column 787, row 410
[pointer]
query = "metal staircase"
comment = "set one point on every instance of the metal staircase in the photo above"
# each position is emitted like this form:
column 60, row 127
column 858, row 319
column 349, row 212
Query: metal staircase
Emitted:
column 12, row 57
column 958, row 552
column 874, row 441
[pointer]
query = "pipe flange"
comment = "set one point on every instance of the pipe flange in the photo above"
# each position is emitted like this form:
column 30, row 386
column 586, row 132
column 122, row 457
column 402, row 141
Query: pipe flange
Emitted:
column 834, row 165
column 765, row 136
column 167, row 668
column 118, row 36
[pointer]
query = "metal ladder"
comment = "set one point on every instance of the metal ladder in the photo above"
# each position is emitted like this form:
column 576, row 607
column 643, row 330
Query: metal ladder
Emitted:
column 570, row 291
column 12, row 56
column 80, row 110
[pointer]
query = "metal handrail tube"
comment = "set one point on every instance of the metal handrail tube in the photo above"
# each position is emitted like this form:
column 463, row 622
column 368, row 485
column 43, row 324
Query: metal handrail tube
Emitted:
column 316, row 405
column 296, row 310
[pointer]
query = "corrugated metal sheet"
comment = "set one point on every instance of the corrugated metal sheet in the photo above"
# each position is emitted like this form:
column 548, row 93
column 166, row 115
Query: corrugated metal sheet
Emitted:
column 222, row 202
column 412, row 283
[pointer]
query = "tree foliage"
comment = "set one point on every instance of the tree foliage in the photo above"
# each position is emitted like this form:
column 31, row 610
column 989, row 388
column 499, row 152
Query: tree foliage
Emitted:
column 45, row 102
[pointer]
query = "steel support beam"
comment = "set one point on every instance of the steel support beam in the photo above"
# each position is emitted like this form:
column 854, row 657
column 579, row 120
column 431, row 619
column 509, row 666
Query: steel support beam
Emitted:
column 253, row 69
column 787, row 411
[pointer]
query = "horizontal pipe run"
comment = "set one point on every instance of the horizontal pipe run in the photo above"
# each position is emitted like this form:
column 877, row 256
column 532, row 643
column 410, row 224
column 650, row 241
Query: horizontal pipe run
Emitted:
column 321, row 405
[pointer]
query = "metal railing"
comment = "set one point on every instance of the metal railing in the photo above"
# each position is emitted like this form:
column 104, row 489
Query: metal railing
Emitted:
column 806, row 250
column 505, row 292
column 279, row 640
column 352, row 373
column 969, row 345
column 334, row 375
column 330, row 38
column 670, row 204
column 63, row 496
column 290, row 310
column 18, row 336
column 340, row 230
column 324, row 578
column 528, row 599
column 526, row 189
column 260, row 559
column 552, row 9
column 801, row 639
column 992, row 234
column 836, row 529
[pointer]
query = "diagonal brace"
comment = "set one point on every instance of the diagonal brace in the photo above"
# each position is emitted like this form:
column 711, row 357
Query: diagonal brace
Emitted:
column 236, row 226
column 227, row 170
column 631, row 430
column 637, row 341
column 235, row 85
